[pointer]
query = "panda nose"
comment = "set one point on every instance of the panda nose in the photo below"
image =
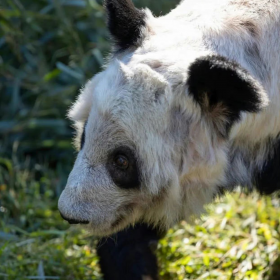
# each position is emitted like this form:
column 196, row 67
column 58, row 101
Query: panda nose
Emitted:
column 73, row 221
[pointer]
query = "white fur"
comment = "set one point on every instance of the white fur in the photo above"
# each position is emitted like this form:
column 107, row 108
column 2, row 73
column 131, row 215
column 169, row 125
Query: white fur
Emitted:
column 183, row 160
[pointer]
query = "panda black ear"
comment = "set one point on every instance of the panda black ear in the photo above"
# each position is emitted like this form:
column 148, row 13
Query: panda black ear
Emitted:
column 124, row 22
column 224, row 89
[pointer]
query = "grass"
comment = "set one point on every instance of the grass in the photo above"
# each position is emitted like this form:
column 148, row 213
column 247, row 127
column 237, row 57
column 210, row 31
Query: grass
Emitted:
column 48, row 50
column 238, row 239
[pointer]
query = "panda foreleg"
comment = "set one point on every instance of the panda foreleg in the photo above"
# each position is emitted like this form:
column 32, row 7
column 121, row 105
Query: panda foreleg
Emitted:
column 130, row 254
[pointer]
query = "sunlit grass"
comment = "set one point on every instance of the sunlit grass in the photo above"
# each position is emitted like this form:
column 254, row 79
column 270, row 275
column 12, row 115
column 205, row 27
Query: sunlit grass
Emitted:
column 238, row 239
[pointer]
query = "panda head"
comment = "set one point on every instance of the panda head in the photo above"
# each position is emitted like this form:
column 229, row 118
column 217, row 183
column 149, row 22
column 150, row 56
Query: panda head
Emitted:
column 152, row 129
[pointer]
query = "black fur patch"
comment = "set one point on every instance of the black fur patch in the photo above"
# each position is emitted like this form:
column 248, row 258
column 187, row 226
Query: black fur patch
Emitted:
column 129, row 178
column 129, row 254
column 82, row 142
column 124, row 22
column 224, row 82
column 268, row 179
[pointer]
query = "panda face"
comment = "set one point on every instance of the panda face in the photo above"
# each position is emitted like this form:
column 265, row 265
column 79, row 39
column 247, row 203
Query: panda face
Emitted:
column 125, row 161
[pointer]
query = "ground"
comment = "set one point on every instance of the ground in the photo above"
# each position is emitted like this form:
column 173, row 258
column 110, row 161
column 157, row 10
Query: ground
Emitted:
column 238, row 238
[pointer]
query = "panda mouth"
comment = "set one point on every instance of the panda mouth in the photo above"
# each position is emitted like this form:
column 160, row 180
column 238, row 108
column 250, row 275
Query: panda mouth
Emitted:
column 73, row 221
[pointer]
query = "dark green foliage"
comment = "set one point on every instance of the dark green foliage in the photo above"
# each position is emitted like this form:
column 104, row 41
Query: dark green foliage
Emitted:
column 48, row 51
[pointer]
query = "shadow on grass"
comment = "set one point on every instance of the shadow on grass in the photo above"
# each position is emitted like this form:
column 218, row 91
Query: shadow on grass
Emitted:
column 275, row 270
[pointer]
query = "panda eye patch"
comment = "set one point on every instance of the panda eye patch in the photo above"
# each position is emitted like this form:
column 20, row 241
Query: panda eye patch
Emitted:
column 121, row 162
column 122, row 166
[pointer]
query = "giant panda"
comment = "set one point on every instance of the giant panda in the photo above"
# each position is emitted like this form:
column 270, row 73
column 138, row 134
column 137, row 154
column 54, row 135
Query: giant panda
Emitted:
column 187, row 108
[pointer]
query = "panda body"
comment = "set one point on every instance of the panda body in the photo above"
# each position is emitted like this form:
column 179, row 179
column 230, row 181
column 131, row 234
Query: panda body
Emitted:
column 187, row 108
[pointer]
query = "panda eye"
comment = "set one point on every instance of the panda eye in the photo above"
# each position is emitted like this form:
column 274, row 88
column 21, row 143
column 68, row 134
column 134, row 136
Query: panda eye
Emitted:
column 121, row 162
column 123, row 168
